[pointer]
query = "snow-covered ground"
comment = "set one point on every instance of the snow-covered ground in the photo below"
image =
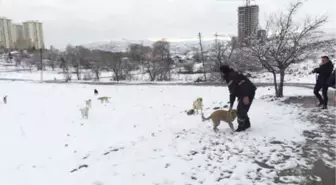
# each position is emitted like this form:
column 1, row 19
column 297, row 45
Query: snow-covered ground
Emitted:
column 296, row 73
column 143, row 136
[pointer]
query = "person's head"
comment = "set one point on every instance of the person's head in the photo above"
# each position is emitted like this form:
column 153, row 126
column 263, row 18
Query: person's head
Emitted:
column 325, row 59
column 225, row 69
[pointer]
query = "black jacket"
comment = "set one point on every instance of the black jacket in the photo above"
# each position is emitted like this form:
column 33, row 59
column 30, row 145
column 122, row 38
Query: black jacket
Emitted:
column 331, row 80
column 324, row 71
column 239, row 86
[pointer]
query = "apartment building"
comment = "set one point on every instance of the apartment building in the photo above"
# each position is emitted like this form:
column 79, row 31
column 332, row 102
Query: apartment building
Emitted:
column 33, row 33
column 6, row 39
column 19, row 40
column 248, row 20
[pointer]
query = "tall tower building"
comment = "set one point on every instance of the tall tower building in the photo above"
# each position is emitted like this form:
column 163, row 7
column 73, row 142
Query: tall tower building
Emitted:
column 33, row 32
column 248, row 20
column 18, row 37
column 6, row 40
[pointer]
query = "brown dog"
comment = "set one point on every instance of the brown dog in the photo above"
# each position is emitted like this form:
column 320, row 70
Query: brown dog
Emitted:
column 221, row 115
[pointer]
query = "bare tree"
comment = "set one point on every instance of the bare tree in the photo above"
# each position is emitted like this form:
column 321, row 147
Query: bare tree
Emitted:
column 287, row 43
column 72, row 58
column 53, row 57
column 137, row 52
column 151, row 66
column 120, row 66
column 221, row 53
column 99, row 59
column 202, row 55
column 161, row 56
column 64, row 65
column 158, row 63
column 77, row 56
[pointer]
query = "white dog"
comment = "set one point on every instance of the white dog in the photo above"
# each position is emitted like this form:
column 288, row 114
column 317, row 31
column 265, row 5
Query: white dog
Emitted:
column 88, row 103
column 85, row 112
column 198, row 105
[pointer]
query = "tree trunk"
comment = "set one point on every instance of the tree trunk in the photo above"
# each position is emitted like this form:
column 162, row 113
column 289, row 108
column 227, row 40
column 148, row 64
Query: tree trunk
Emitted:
column 281, row 84
column 97, row 74
column 152, row 76
column 275, row 83
column 116, row 73
column 202, row 55
column 78, row 73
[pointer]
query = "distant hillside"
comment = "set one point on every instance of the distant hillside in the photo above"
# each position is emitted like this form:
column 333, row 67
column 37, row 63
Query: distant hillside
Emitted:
column 177, row 47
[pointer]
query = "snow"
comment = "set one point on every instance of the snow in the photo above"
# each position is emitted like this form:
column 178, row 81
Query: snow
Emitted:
column 296, row 73
column 143, row 136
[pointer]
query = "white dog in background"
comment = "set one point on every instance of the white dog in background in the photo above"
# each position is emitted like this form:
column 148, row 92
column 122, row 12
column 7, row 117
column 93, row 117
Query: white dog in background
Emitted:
column 198, row 105
column 85, row 112
column 88, row 103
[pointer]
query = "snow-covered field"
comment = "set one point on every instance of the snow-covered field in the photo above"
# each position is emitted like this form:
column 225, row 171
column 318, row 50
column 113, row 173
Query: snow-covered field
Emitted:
column 143, row 136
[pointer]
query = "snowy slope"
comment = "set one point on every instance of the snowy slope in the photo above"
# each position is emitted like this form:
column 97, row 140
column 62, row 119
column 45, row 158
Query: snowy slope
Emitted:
column 296, row 73
column 141, row 137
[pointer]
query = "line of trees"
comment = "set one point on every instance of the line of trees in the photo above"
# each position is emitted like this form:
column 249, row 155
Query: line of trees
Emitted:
column 156, row 61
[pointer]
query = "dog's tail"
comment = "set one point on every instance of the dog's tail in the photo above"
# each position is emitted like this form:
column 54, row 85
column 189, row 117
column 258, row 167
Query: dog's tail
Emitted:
column 205, row 119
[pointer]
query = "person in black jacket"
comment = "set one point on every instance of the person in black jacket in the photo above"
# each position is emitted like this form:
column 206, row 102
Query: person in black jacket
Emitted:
column 242, row 88
column 332, row 83
column 324, row 72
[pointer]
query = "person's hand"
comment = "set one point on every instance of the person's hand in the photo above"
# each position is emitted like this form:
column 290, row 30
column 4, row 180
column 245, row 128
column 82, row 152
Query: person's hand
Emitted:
column 246, row 100
column 230, row 109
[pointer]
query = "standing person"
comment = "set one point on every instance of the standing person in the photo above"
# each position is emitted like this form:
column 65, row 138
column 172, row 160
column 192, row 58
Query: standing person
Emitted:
column 332, row 83
column 324, row 72
column 242, row 88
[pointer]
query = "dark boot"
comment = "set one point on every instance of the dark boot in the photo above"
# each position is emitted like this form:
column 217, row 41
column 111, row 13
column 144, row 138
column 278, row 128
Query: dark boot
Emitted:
column 247, row 124
column 319, row 104
column 241, row 124
column 325, row 107
column 239, row 129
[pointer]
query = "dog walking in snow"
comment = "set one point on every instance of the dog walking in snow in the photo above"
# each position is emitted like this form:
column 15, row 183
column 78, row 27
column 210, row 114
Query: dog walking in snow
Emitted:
column 104, row 99
column 85, row 112
column 221, row 115
column 88, row 103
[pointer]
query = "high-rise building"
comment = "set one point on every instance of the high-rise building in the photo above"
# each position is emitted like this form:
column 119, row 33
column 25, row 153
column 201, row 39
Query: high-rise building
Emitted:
column 6, row 40
column 33, row 32
column 19, row 40
column 248, row 20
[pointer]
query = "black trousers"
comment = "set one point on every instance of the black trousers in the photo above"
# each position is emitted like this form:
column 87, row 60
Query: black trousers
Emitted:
column 242, row 110
column 324, row 87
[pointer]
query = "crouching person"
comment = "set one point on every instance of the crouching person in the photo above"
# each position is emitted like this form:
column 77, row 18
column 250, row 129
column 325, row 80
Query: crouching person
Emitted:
column 242, row 88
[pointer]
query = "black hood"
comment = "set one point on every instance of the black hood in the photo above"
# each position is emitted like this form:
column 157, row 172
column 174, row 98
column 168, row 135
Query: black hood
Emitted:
column 225, row 69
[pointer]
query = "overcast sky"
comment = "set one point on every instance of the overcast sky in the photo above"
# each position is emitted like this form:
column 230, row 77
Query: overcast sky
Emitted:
column 86, row 21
